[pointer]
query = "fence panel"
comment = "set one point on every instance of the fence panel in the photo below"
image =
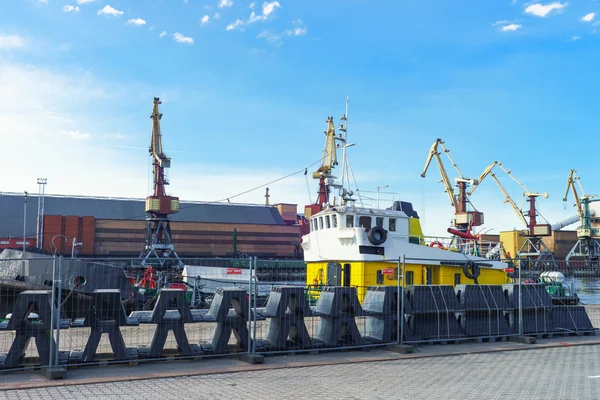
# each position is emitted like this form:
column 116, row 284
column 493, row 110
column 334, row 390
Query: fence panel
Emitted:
column 89, row 311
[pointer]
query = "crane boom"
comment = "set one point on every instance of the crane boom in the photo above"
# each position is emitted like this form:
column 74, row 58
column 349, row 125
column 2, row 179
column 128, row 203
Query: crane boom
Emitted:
column 433, row 152
column 329, row 159
column 483, row 175
column 509, row 199
column 451, row 160
column 571, row 185
column 159, row 204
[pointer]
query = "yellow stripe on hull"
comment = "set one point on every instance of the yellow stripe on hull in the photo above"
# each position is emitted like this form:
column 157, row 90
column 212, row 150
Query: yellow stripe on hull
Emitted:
column 363, row 274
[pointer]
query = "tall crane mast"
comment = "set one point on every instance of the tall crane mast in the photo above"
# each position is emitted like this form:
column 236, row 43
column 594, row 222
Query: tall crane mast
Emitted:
column 325, row 172
column 464, row 219
column 158, row 241
column 587, row 245
column 328, row 162
column 533, row 249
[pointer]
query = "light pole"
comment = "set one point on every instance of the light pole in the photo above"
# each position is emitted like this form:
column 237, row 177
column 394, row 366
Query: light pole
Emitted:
column 52, row 241
column 380, row 187
column 24, row 219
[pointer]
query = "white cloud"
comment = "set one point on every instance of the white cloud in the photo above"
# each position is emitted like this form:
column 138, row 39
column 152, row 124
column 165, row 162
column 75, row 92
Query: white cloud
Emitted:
column 251, row 5
column 70, row 8
column 217, row 15
column 588, row 17
column 267, row 9
column 501, row 22
column 574, row 38
column 11, row 42
column 542, row 10
column 511, row 28
column 108, row 10
column 84, row 1
column 205, row 19
column 178, row 37
column 43, row 1
column 136, row 22
column 225, row 3
column 76, row 134
column 271, row 38
column 162, row 34
column 295, row 32
column 234, row 25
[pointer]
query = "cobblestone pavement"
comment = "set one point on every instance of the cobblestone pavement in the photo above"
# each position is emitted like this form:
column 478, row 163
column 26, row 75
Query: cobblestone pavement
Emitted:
column 556, row 373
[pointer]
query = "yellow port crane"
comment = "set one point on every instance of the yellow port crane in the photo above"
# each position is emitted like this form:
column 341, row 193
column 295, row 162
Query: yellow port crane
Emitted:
column 587, row 246
column 533, row 249
column 158, row 241
column 329, row 159
column 464, row 219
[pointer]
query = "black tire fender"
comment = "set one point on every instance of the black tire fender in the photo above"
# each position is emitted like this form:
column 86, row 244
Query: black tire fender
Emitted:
column 471, row 270
column 377, row 235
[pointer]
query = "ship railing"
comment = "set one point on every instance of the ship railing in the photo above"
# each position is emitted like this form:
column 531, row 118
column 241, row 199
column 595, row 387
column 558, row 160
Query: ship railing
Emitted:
column 478, row 248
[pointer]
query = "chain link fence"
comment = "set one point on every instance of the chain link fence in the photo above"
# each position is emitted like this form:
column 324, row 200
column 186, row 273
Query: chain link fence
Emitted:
column 62, row 312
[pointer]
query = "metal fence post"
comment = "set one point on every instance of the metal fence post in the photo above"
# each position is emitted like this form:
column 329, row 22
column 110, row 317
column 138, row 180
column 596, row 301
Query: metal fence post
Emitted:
column 59, row 301
column 254, row 313
column 401, row 294
column 250, row 317
column 398, row 303
column 52, row 313
column 520, row 304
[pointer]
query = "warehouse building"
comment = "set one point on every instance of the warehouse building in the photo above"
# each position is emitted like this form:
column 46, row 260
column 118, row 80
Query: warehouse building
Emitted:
column 114, row 227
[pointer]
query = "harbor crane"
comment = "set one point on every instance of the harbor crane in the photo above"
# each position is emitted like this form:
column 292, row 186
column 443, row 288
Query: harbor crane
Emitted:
column 329, row 161
column 533, row 249
column 158, row 240
column 463, row 220
column 587, row 246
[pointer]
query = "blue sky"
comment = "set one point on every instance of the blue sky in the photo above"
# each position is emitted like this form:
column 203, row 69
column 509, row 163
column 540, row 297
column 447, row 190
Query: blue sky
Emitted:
column 247, row 91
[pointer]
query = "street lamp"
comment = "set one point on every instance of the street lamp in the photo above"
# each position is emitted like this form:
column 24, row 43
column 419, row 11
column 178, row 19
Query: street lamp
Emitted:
column 52, row 241
column 380, row 187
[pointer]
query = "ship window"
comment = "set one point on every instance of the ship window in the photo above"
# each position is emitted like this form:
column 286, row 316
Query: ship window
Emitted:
column 379, row 221
column 320, row 222
column 364, row 222
column 315, row 226
column 380, row 277
column 392, row 225
column 334, row 221
column 327, row 223
column 350, row 221
column 410, row 277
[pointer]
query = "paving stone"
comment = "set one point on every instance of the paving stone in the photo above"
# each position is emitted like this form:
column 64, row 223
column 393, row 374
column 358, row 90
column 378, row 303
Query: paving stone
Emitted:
column 555, row 373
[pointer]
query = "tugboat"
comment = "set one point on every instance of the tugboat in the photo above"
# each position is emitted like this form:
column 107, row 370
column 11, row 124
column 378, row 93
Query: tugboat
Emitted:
column 350, row 245
column 559, row 292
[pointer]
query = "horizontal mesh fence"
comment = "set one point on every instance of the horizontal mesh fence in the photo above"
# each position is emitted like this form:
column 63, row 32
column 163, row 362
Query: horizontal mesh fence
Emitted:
column 69, row 311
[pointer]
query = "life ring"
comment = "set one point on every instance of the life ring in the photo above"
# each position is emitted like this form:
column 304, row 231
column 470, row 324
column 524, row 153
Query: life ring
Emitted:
column 437, row 243
column 377, row 235
column 471, row 270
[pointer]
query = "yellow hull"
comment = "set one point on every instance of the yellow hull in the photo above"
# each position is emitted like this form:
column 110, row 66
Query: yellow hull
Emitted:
column 362, row 274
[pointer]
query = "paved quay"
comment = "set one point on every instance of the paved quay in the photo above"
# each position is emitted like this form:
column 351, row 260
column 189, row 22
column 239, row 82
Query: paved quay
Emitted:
column 559, row 368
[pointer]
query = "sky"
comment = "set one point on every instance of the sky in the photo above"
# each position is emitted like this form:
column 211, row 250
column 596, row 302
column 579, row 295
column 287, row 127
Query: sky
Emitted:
column 247, row 86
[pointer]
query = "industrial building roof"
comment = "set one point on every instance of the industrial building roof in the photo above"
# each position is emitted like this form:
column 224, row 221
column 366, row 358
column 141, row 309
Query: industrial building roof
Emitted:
column 12, row 209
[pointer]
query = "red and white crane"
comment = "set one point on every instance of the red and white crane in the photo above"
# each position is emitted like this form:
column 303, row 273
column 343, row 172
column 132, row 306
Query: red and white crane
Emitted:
column 159, row 241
